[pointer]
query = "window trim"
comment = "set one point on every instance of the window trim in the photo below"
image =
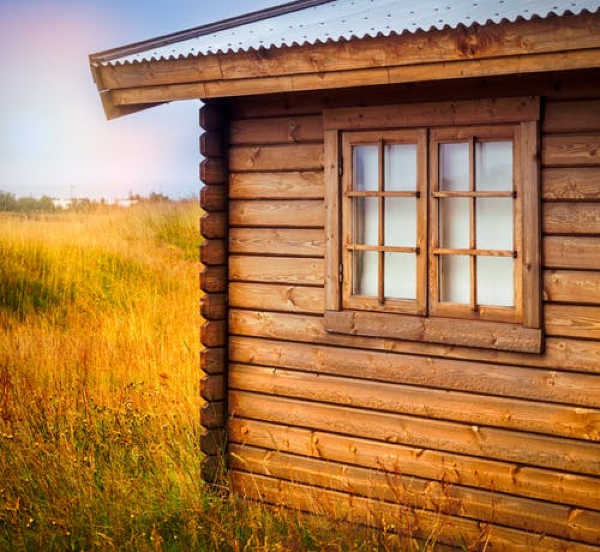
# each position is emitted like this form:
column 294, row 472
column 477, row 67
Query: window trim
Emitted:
column 524, row 113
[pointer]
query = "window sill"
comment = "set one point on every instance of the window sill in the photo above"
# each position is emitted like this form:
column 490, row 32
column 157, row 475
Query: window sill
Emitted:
column 450, row 331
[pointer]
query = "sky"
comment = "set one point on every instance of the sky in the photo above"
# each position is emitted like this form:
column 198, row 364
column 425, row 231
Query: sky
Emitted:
column 54, row 137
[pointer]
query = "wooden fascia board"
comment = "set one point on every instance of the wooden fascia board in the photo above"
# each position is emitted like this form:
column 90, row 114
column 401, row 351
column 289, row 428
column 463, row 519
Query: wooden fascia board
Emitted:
column 539, row 63
column 551, row 35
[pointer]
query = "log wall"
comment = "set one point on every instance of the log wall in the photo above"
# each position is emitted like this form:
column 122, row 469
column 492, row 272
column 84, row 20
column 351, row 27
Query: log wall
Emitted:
column 505, row 445
column 213, row 287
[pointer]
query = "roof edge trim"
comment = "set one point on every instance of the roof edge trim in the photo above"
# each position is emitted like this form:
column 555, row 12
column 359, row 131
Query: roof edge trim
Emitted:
column 164, row 40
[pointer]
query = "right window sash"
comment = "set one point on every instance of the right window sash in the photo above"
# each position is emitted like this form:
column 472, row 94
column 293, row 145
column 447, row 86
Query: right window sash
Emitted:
column 475, row 224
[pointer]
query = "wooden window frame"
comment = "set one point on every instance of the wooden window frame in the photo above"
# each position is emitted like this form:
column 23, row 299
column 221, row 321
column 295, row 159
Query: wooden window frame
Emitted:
column 381, row 304
column 517, row 331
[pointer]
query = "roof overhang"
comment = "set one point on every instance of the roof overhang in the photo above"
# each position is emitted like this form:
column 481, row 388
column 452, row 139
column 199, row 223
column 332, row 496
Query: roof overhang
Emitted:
column 553, row 43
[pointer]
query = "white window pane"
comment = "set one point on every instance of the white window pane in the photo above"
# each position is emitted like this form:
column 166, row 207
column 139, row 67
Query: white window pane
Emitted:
column 455, row 279
column 495, row 281
column 494, row 223
column 366, row 216
column 400, row 281
column 454, row 223
column 365, row 273
column 400, row 167
column 366, row 168
column 494, row 166
column 454, row 167
column 400, row 221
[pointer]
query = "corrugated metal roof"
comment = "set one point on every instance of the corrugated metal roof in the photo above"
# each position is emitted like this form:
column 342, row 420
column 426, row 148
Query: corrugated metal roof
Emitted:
column 338, row 20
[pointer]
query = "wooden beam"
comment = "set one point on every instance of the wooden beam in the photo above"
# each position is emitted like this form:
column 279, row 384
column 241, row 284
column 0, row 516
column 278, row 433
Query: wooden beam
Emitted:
column 483, row 473
column 482, row 42
column 304, row 242
column 565, row 61
column 566, row 356
column 502, row 412
column 450, row 374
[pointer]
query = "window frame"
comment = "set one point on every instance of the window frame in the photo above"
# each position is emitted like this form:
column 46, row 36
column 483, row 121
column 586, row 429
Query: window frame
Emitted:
column 521, row 332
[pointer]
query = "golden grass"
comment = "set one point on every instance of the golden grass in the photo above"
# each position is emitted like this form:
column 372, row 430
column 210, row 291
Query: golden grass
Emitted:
column 99, row 424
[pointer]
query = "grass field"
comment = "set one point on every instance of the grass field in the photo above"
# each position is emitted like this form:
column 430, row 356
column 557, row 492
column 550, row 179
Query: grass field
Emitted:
column 99, row 424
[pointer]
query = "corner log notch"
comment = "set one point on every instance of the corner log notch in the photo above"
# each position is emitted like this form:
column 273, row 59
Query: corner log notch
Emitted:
column 213, row 284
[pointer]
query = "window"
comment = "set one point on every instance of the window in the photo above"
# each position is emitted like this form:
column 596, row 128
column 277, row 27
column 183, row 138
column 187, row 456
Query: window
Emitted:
column 433, row 223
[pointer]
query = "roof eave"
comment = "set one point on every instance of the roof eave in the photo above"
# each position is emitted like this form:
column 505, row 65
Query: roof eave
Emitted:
column 551, row 44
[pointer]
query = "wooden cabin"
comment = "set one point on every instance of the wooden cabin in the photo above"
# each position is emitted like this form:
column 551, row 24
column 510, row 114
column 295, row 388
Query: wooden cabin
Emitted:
column 401, row 281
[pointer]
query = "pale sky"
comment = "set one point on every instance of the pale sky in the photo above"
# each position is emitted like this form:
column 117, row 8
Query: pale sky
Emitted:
column 54, row 138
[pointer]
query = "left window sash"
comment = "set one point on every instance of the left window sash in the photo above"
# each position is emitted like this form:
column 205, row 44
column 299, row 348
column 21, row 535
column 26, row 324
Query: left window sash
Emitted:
column 384, row 210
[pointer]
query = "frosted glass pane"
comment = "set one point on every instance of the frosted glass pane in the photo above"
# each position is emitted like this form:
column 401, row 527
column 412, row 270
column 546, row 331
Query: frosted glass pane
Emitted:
column 365, row 273
column 495, row 281
column 454, row 167
column 366, row 215
column 494, row 166
column 400, row 167
column 366, row 168
column 454, row 223
column 494, row 223
column 455, row 279
column 401, row 221
column 400, row 276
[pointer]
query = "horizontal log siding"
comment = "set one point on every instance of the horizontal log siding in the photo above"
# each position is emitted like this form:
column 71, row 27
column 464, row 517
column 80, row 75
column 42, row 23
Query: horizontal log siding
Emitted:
column 508, row 439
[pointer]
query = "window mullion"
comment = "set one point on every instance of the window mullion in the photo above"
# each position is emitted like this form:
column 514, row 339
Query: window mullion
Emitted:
column 472, row 224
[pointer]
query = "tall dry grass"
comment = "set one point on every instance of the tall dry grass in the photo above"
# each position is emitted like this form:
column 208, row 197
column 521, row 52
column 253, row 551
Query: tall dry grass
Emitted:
column 99, row 424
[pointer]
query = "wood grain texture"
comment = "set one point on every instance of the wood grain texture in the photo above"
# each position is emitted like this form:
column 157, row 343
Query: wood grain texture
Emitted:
column 571, row 252
column 574, row 116
column 502, row 110
column 277, row 185
column 213, row 333
column 213, row 171
column 213, row 252
column 357, row 510
column 213, row 198
column 520, row 513
column 571, row 218
column 507, row 413
column 303, row 242
column 213, row 360
column 280, row 270
column 482, row 473
column 499, row 444
column 211, row 144
column 571, row 150
column 563, row 354
column 297, row 213
column 460, row 69
column 573, row 321
column 270, row 297
column 522, row 39
column 213, row 279
column 465, row 333
column 212, row 442
column 213, row 225
column 571, row 286
column 555, row 86
column 444, row 374
column 211, row 116
column 571, row 184
column 212, row 415
column 213, row 306
column 305, row 157
column 282, row 130
column 212, row 388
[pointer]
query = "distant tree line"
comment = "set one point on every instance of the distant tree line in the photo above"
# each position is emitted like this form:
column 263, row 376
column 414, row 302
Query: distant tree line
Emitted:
column 9, row 202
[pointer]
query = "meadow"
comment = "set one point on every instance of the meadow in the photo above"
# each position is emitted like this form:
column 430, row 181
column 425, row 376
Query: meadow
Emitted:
column 99, row 402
